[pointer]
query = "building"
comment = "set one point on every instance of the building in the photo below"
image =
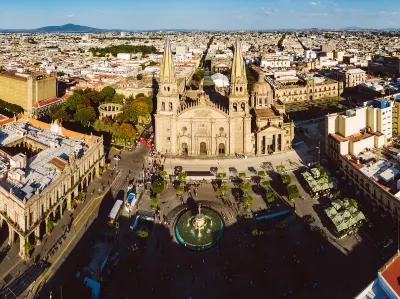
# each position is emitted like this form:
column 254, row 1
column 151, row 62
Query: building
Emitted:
column 27, row 90
column 384, row 64
column 386, row 285
column 330, row 47
column 361, row 143
column 275, row 62
column 273, row 131
column 305, row 89
column 350, row 78
column 36, row 191
column 204, row 128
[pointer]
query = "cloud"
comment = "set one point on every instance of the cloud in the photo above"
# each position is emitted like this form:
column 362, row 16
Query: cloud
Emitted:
column 389, row 13
column 338, row 9
column 325, row 14
column 314, row 3
column 70, row 16
column 269, row 11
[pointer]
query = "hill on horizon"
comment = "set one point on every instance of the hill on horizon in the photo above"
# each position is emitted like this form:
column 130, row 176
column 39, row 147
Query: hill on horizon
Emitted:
column 69, row 28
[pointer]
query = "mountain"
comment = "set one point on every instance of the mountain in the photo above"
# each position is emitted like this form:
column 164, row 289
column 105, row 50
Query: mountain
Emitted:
column 353, row 28
column 68, row 28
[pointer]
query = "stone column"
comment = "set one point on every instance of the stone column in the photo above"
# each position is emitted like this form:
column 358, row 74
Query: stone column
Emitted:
column 247, row 134
column 192, row 146
column 231, row 137
column 173, row 135
column 37, row 235
column 61, row 212
column 68, row 199
column 283, row 143
column 213, row 140
column 259, row 139
column 276, row 143
column 10, row 235
column 22, row 242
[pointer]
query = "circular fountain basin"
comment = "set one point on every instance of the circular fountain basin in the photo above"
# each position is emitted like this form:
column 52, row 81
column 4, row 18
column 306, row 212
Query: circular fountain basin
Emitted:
column 199, row 232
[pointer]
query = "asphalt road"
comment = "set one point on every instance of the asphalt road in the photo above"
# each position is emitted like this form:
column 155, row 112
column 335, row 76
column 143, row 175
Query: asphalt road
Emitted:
column 89, row 223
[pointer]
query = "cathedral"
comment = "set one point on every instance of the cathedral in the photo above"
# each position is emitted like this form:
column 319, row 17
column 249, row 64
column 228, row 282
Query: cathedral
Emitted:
column 248, row 125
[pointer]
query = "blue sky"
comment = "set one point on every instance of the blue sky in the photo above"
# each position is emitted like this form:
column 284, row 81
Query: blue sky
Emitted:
column 206, row 14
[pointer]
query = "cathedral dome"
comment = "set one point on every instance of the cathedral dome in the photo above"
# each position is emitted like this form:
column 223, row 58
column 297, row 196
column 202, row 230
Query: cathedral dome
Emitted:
column 261, row 87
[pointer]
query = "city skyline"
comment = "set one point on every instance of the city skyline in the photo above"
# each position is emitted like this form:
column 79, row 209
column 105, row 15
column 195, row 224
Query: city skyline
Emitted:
column 211, row 15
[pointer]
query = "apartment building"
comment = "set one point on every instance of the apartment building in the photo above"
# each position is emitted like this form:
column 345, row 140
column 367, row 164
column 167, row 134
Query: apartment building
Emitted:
column 350, row 78
column 360, row 143
column 27, row 90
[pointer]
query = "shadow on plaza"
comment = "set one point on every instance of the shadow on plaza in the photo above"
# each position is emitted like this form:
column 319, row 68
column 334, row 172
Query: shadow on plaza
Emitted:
column 161, row 268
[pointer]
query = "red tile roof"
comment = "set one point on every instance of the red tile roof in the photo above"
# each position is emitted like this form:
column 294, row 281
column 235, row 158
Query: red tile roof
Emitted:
column 391, row 273
column 46, row 102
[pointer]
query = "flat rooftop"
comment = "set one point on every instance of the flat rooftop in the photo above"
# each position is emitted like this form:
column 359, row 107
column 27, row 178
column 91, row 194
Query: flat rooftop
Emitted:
column 43, row 168
column 391, row 274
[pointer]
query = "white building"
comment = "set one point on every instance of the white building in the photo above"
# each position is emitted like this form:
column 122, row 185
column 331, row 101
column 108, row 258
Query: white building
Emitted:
column 275, row 62
column 124, row 56
column 365, row 127
column 350, row 78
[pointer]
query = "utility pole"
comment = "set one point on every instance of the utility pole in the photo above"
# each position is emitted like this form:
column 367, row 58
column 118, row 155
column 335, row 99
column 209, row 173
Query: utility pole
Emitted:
column 61, row 290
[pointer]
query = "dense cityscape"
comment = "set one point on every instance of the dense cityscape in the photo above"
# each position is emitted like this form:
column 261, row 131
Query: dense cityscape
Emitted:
column 199, row 163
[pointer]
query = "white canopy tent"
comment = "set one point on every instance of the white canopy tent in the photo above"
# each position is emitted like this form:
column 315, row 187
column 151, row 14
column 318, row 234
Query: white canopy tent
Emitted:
column 220, row 80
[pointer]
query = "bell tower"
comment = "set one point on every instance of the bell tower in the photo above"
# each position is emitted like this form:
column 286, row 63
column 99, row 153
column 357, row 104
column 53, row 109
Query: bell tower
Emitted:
column 168, row 96
column 238, row 95
column 167, row 105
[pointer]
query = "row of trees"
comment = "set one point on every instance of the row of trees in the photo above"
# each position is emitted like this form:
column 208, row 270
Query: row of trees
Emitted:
column 82, row 106
column 10, row 107
column 115, row 50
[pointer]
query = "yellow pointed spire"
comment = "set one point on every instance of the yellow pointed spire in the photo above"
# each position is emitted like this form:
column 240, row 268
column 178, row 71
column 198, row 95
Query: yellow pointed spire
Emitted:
column 167, row 71
column 238, row 74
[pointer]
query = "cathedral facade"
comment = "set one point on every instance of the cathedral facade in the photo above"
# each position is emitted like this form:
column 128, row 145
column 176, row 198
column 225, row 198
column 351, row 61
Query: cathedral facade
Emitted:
column 246, row 126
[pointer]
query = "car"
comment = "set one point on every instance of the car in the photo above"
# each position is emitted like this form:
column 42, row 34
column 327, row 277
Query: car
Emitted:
column 142, row 139
column 149, row 143
column 178, row 169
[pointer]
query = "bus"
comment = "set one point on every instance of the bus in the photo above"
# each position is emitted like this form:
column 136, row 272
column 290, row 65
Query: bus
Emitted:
column 115, row 212
column 130, row 202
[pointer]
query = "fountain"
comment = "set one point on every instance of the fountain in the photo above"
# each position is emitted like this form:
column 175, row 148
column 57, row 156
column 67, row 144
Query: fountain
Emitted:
column 201, row 231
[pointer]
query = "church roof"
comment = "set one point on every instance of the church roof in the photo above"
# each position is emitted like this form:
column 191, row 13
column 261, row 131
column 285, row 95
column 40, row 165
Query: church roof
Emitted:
column 238, row 74
column 167, row 70
column 261, row 86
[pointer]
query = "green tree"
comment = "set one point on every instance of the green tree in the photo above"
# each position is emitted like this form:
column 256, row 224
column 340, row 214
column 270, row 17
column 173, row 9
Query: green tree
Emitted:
column 61, row 115
column 162, row 174
column 115, row 130
column 129, row 100
column 49, row 226
column 261, row 173
column 129, row 114
column 248, row 202
column 336, row 193
column 223, row 190
column 158, row 186
column 286, row 179
column 28, row 248
column 85, row 116
column 100, row 126
column 139, row 76
column 118, row 98
column 95, row 97
column 179, row 190
column 108, row 93
column 242, row 175
column 127, row 131
column 154, row 202
column 324, row 177
column 353, row 203
column 221, row 175
column 266, row 184
column 245, row 186
column 271, row 196
column 141, row 108
column 182, row 176
column 292, row 191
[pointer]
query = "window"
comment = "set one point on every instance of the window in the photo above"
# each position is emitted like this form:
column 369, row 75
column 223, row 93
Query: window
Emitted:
column 162, row 106
column 168, row 138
